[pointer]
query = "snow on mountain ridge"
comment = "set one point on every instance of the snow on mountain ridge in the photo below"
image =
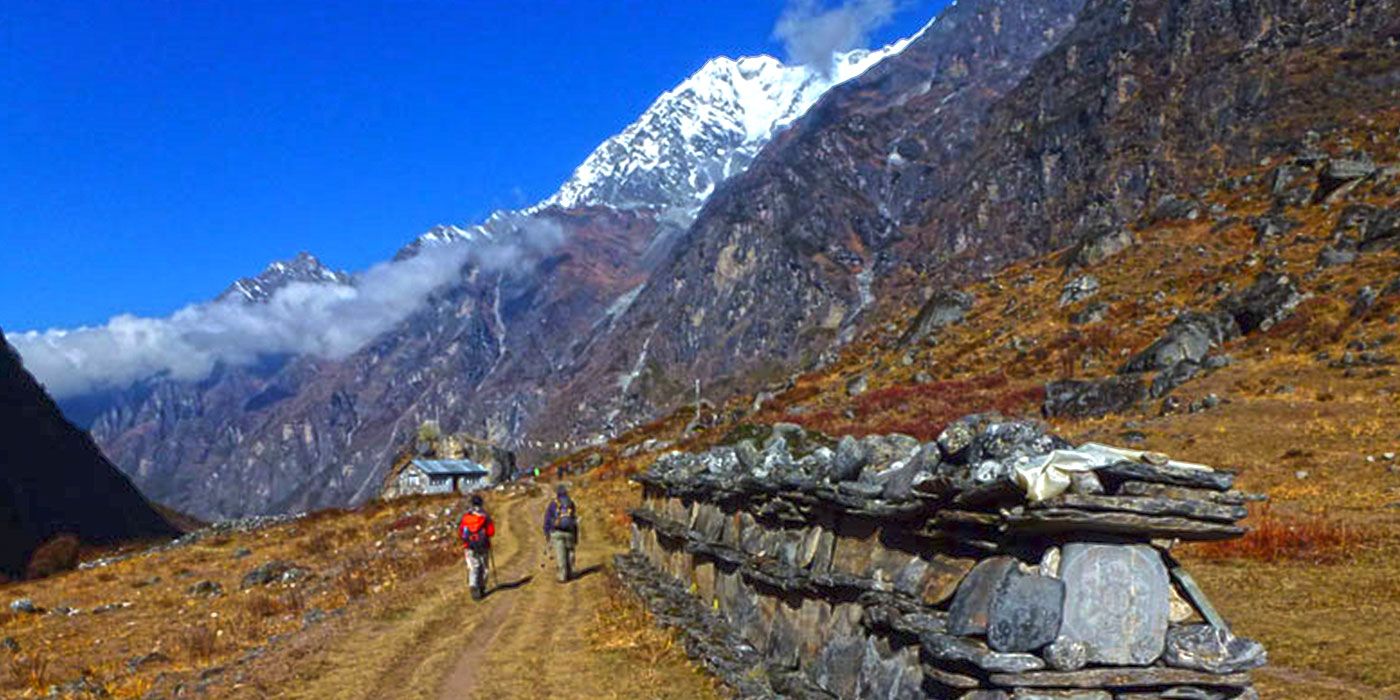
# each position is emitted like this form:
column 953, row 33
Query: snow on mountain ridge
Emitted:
column 704, row 130
column 693, row 137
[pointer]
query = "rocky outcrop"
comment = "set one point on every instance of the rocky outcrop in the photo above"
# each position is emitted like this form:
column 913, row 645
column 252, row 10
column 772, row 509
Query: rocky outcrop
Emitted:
column 969, row 576
column 54, row 480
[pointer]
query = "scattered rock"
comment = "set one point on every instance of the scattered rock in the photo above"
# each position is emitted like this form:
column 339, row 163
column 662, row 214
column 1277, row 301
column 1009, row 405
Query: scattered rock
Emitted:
column 25, row 605
column 1190, row 337
column 205, row 589
column 1272, row 226
column 1173, row 377
column 274, row 571
column 1170, row 207
column 109, row 607
column 1092, row 398
column 1271, row 298
column 1212, row 649
column 1093, row 313
column 1341, row 171
column 857, row 385
column 1334, row 256
column 135, row 663
column 1096, row 248
column 1382, row 232
column 241, row 552
column 945, row 308
column 10, row 645
column 1078, row 289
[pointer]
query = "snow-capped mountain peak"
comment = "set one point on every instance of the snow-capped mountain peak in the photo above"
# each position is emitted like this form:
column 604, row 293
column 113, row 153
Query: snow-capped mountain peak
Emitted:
column 704, row 130
column 303, row 268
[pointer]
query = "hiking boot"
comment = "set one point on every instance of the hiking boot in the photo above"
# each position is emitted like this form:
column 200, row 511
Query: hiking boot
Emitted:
column 476, row 593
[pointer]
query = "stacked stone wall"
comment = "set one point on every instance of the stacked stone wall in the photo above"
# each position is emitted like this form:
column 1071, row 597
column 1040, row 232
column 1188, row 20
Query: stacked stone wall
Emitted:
column 896, row 580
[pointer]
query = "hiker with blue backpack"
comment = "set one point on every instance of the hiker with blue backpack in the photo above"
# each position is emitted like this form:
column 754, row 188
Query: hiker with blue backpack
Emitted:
column 561, row 531
column 476, row 530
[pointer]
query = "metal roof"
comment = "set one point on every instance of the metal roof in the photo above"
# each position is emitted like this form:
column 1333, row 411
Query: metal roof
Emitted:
column 451, row 467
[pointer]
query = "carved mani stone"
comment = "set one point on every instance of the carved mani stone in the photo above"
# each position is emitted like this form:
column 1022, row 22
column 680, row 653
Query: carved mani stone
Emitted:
column 1116, row 601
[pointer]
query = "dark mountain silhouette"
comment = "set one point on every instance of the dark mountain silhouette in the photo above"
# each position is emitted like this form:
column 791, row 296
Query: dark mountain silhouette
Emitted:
column 54, row 480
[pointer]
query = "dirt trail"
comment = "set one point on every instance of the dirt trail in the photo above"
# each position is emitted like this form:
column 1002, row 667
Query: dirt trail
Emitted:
column 526, row 639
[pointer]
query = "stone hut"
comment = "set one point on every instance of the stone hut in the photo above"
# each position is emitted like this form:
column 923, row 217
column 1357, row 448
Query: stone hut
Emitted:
column 438, row 476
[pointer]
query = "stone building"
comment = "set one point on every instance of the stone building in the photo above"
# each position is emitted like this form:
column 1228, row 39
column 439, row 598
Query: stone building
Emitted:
column 437, row 476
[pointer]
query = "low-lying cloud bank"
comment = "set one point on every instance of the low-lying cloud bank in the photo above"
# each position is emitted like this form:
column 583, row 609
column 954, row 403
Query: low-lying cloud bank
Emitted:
column 304, row 318
column 812, row 33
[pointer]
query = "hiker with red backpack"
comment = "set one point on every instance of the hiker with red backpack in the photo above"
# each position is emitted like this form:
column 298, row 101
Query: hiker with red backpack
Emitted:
column 561, row 531
column 476, row 530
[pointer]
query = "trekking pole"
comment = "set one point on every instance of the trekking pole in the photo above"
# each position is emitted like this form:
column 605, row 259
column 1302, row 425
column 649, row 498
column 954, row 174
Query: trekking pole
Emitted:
column 495, row 575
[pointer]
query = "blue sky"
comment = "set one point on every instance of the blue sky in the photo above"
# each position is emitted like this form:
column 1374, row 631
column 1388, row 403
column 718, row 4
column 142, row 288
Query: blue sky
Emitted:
column 152, row 152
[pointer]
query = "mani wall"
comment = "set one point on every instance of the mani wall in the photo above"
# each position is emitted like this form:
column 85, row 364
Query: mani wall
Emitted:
column 998, row 562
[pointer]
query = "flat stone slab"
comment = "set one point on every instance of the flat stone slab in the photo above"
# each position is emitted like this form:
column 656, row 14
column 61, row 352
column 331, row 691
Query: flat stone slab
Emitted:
column 1040, row 694
column 945, row 647
column 972, row 603
column 1154, row 677
column 1147, row 505
column 1025, row 612
column 1215, row 480
column 1061, row 520
column 1117, row 601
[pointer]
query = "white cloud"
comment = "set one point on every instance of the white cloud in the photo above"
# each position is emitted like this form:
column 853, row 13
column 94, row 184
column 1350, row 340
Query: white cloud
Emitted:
column 812, row 34
column 319, row 319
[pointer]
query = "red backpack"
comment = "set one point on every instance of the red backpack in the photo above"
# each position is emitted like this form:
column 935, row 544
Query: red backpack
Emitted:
column 473, row 531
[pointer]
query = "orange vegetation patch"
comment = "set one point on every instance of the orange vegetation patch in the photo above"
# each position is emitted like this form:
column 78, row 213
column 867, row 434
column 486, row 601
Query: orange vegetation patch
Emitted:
column 1275, row 538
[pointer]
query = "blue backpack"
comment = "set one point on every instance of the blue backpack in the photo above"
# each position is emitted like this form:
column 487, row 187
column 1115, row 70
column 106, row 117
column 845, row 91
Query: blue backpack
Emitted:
column 565, row 515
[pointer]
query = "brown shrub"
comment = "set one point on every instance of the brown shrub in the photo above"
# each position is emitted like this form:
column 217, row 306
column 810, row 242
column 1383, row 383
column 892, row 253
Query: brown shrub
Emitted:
column 199, row 642
column 58, row 554
column 406, row 522
column 29, row 671
column 1276, row 538
column 261, row 605
column 353, row 583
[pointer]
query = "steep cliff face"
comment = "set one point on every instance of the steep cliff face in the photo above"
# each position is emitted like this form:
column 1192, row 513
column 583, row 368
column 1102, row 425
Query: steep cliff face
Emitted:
column 299, row 433
column 785, row 258
column 1007, row 129
column 54, row 480
column 1145, row 99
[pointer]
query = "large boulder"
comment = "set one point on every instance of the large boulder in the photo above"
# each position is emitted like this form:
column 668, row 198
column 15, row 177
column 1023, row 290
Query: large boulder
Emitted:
column 947, row 307
column 1091, row 398
column 1271, row 298
column 1382, row 231
column 1079, row 289
column 1117, row 600
column 1100, row 246
column 1189, row 338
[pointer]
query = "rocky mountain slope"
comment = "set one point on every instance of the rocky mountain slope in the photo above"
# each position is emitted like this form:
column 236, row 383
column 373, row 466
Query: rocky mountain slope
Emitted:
column 1006, row 130
column 487, row 354
column 54, row 480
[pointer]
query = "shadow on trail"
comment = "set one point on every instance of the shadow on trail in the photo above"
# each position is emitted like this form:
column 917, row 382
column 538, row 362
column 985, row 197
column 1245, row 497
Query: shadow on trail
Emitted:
column 509, row 585
column 586, row 572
